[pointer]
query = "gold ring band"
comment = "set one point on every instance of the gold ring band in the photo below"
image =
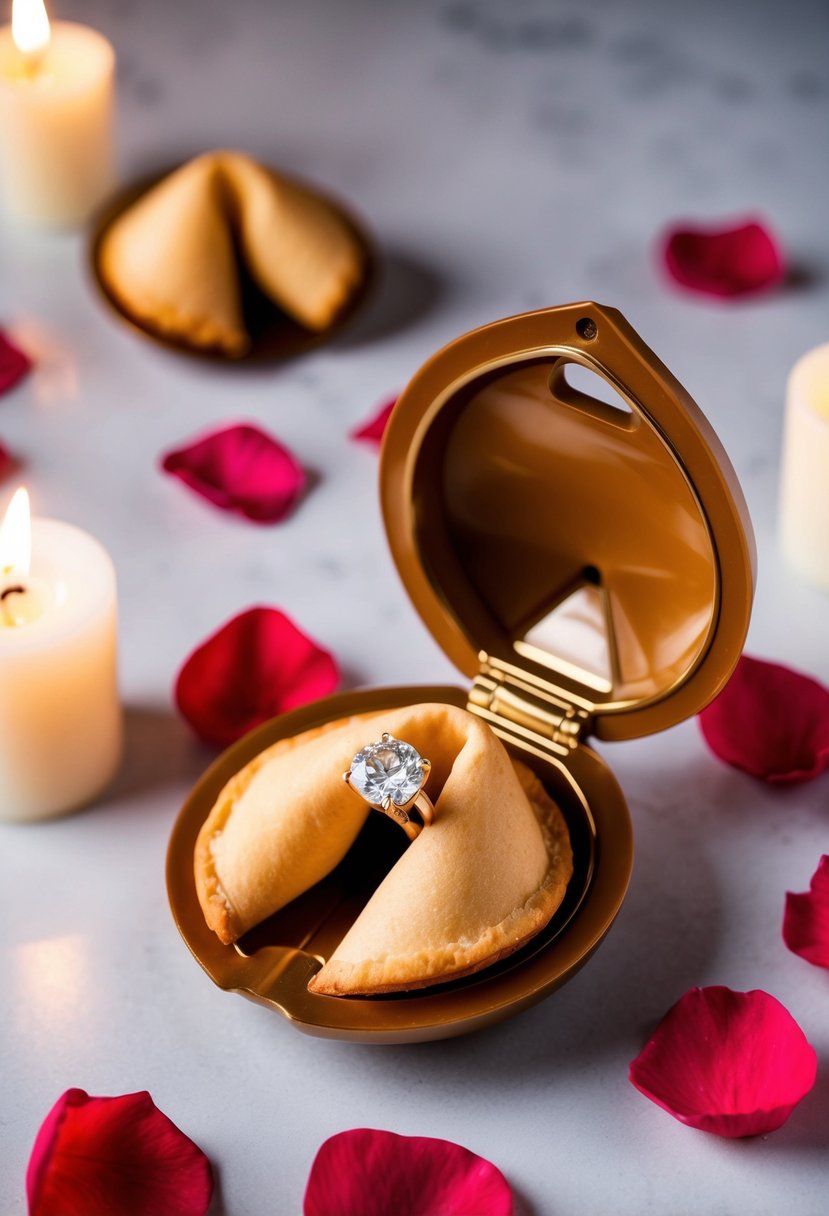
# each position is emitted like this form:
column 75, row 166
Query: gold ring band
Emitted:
column 422, row 804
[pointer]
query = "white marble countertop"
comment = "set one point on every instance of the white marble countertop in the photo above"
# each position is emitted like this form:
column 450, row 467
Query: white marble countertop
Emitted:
column 507, row 157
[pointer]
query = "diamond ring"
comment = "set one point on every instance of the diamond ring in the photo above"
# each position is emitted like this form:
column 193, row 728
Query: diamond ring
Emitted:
column 390, row 776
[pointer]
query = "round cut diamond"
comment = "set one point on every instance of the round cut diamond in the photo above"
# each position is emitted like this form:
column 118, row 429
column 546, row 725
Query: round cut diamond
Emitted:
column 389, row 769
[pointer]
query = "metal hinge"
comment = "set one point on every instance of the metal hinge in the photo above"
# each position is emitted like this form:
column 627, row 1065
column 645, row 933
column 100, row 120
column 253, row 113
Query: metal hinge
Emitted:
column 505, row 697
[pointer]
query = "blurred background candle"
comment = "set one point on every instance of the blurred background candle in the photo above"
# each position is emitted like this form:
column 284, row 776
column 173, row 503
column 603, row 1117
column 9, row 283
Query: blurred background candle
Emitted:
column 804, row 490
column 60, row 718
column 56, row 118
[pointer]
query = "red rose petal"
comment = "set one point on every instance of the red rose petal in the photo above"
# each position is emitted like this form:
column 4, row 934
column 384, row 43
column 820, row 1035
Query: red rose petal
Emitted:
column 5, row 461
column 731, row 1063
column 723, row 261
column 108, row 1156
column 771, row 722
column 374, row 1173
column 240, row 468
column 258, row 665
column 372, row 431
column 806, row 920
column 14, row 364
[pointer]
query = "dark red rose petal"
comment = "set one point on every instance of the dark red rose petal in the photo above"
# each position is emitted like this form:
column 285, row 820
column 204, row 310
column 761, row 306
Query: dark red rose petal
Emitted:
column 115, row 1157
column 258, row 665
column 372, row 431
column 243, row 469
column 771, row 722
column 806, row 920
column 723, row 261
column 5, row 461
column 14, row 364
column 375, row 1173
column 731, row 1063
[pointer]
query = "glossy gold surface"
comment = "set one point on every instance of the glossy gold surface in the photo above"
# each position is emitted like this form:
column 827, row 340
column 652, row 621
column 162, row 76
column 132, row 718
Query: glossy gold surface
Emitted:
column 274, row 962
column 274, row 335
column 506, row 491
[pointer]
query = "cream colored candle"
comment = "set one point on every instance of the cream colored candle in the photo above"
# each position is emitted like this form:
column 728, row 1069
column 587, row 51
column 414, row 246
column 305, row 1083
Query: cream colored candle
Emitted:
column 60, row 718
column 804, row 491
column 56, row 118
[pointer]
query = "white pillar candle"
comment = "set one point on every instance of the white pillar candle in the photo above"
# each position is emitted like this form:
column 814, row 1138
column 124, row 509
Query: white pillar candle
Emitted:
column 60, row 717
column 56, row 118
column 804, row 490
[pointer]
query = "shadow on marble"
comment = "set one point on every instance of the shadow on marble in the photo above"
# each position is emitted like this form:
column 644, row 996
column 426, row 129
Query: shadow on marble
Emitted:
column 313, row 478
column 351, row 680
column 807, row 1132
column 217, row 1204
column 406, row 290
column 803, row 277
column 159, row 750
column 750, row 801
column 521, row 1205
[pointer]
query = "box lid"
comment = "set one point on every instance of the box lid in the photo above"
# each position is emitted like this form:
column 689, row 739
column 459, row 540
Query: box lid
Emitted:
column 600, row 552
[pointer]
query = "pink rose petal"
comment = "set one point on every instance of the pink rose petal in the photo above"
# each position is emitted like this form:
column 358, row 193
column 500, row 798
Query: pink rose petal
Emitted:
column 731, row 1063
column 729, row 261
column 372, row 431
column 771, row 722
column 258, row 665
column 14, row 364
column 115, row 1157
column 240, row 468
column 806, row 920
column 374, row 1173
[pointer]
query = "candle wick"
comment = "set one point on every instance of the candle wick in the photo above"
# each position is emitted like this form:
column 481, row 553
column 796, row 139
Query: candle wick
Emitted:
column 7, row 616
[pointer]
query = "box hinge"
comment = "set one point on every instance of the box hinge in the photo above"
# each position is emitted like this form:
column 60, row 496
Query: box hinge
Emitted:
column 506, row 698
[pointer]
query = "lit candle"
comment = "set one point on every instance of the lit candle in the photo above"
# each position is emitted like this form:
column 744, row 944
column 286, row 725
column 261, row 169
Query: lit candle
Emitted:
column 56, row 117
column 804, row 489
column 60, row 718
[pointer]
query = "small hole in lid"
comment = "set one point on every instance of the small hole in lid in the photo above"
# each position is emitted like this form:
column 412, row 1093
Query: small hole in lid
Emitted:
column 586, row 328
column 585, row 389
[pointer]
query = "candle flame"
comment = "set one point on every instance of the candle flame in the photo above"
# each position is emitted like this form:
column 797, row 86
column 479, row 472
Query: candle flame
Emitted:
column 30, row 27
column 16, row 537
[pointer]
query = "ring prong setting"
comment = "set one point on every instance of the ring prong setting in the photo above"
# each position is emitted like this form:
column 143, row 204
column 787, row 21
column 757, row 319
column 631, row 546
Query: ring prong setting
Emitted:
column 389, row 775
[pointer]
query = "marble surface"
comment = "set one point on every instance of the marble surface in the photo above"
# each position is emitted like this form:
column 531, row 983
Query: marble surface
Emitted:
column 507, row 156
